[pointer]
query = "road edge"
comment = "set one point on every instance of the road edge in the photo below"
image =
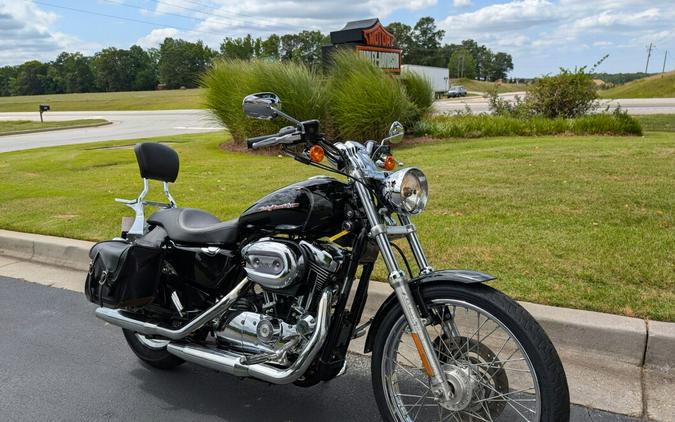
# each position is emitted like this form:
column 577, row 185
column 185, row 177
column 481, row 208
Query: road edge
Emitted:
column 51, row 129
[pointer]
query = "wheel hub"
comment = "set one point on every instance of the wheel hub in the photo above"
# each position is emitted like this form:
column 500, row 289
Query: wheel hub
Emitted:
column 462, row 383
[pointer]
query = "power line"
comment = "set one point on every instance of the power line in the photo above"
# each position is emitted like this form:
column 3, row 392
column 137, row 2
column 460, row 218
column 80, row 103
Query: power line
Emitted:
column 229, row 17
column 123, row 18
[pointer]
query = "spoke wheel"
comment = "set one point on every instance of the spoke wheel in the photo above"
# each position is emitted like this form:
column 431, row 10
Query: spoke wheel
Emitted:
column 493, row 373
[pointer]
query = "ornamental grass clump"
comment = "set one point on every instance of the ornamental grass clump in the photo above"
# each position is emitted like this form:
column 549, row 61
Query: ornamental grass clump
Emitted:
column 227, row 83
column 363, row 100
column 419, row 91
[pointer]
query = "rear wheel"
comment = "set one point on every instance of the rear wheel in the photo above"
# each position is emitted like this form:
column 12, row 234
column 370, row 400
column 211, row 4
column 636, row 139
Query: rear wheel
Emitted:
column 499, row 362
column 151, row 351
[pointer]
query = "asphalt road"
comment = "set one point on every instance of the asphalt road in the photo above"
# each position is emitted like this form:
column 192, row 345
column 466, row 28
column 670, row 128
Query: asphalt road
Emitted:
column 59, row 363
column 125, row 125
column 632, row 105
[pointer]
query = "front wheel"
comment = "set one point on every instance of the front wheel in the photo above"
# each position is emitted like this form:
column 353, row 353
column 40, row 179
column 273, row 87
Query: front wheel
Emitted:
column 499, row 362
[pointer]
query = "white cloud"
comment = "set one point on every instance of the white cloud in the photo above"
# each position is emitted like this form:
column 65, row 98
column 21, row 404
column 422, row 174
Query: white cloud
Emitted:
column 25, row 34
column 461, row 3
column 156, row 36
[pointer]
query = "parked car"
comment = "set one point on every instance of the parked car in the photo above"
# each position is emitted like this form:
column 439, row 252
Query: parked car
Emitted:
column 456, row 91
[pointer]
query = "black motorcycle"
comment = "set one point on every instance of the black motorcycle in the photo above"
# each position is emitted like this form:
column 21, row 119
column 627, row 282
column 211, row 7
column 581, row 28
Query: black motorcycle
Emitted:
column 278, row 293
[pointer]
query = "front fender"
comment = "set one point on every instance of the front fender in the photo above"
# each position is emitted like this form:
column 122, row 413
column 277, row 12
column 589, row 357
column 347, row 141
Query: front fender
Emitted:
column 442, row 276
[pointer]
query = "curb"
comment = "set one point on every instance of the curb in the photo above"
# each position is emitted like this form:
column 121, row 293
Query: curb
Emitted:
column 629, row 340
column 24, row 132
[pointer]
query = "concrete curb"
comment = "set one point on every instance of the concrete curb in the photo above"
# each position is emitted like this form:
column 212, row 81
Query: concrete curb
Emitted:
column 623, row 339
column 24, row 132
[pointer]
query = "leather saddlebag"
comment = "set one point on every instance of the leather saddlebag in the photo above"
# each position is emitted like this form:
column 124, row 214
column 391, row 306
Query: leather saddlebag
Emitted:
column 122, row 274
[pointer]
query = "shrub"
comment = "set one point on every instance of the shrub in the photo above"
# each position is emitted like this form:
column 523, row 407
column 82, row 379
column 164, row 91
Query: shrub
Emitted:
column 475, row 126
column 229, row 81
column 364, row 100
column 419, row 91
column 568, row 94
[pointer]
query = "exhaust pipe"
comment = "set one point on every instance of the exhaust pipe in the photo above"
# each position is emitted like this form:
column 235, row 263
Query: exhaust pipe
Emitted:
column 130, row 322
column 232, row 363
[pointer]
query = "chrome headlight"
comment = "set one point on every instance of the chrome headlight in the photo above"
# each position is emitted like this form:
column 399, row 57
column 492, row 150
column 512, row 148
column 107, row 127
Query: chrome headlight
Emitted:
column 406, row 190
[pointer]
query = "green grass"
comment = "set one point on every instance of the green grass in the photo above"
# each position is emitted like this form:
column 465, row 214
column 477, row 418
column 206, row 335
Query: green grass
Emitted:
column 657, row 86
column 482, row 125
column 657, row 122
column 583, row 222
column 484, row 86
column 8, row 127
column 99, row 101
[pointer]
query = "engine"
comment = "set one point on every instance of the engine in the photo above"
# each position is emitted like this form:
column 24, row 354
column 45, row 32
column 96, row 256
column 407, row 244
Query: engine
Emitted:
column 280, row 314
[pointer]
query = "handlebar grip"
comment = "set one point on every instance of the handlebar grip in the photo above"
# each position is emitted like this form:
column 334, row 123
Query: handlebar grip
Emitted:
column 251, row 141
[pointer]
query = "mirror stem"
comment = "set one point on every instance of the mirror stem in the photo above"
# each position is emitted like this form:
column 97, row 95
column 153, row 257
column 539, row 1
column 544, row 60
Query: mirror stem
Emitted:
column 291, row 119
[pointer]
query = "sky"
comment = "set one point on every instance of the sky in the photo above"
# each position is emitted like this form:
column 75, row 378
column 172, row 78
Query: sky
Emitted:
column 541, row 35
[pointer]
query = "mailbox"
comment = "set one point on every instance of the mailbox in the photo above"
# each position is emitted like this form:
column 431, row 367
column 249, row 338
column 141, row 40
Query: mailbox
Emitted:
column 43, row 108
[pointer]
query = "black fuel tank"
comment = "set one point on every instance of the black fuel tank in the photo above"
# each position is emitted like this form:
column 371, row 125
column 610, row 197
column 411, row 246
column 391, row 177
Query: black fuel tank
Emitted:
column 313, row 208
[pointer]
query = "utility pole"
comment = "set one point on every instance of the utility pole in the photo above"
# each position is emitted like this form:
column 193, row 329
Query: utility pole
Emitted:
column 665, row 56
column 649, row 55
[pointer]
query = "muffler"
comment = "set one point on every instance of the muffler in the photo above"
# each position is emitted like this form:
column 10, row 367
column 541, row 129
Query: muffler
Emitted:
column 232, row 363
column 126, row 320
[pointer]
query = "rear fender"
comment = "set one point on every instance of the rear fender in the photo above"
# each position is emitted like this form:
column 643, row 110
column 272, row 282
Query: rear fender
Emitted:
column 443, row 276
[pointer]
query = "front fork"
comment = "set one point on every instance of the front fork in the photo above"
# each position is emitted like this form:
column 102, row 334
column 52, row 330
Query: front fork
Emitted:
column 399, row 282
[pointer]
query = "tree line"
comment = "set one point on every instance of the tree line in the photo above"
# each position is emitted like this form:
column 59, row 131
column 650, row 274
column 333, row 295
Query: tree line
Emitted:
column 178, row 63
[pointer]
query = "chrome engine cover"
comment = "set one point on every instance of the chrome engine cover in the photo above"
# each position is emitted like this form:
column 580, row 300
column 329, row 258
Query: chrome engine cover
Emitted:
column 273, row 264
column 251, row 332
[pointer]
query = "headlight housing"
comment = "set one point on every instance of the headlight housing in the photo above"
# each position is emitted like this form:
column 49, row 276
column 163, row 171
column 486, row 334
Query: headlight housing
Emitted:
column 406, row 190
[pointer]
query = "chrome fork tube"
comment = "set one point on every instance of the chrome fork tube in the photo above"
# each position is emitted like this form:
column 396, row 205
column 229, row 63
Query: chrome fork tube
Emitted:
column 399, row 282
column 416, row 247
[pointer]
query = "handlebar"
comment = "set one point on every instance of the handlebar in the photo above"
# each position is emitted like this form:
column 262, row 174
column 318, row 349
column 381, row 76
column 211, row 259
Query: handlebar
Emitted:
column 287, row 135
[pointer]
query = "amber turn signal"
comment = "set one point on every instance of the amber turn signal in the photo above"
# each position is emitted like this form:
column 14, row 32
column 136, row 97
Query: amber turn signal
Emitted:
column 389, row 163
column 316, row 153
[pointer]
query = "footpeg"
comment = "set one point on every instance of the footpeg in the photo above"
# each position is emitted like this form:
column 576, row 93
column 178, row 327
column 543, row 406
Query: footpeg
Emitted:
column 256, row 359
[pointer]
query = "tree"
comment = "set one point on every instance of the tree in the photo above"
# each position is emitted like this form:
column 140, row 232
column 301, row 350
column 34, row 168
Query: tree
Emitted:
column 113, row 70
column 7, row 80
column 500, row 66
column 289, row 45
column 143, row 69
column 76, row 72
column 308, row 49
column 403, row 35
column 462, row 64
column 426, row 35
column 270, row 47
column 30, row 77
column 182, row 62
column 238, row 48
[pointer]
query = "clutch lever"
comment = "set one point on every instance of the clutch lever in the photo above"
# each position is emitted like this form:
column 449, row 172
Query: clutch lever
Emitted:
column 290, row 138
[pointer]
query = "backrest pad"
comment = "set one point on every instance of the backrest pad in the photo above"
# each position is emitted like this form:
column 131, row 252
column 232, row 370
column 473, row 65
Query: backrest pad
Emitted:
column 157, row 161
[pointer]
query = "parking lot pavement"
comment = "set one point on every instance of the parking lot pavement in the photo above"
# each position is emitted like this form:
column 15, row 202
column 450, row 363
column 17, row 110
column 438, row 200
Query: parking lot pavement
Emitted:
column 59, row 363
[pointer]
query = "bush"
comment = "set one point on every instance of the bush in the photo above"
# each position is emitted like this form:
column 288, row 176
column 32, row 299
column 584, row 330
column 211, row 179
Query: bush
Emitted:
column 355, row 100
column 476, row 126
column 568, row 94
column 419, row 91
column 364, row 100
column 300, row 88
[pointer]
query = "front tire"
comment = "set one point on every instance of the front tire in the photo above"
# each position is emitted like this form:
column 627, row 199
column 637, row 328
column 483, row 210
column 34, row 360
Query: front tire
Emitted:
column 500, row 362
column 151, row 351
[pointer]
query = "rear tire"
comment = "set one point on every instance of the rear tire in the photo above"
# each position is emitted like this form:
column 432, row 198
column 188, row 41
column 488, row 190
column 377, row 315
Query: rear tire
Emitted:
column 548, row 373
column 151, row 352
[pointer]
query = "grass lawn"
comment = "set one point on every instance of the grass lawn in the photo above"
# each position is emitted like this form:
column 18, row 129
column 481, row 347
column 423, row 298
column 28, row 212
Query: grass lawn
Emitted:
column 97, row 101
column 484, row 86
column 584, row 222
column 657, row 86
column 660, row 122
column 8, row 127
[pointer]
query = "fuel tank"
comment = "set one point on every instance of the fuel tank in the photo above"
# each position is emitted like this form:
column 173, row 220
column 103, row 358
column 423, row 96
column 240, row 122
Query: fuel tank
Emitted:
column 312, row 208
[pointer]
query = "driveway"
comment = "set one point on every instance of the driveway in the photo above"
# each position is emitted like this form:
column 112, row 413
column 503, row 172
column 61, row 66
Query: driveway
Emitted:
column 126, row 125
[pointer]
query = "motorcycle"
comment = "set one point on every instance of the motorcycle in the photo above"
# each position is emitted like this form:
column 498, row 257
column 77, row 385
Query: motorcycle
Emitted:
column 278, row 293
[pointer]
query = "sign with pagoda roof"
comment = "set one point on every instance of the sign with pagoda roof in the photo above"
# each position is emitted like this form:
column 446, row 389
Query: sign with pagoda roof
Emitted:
column 372, row 40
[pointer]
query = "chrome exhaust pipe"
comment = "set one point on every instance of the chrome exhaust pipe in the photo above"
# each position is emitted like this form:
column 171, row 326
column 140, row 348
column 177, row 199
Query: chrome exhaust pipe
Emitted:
column 128, row 321
column 232, row 363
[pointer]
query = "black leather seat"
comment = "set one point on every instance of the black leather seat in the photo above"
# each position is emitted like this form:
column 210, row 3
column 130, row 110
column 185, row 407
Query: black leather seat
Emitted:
column 190, row 225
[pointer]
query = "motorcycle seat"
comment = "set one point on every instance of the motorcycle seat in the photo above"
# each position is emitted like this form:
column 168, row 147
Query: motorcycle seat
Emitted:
column 194, row 226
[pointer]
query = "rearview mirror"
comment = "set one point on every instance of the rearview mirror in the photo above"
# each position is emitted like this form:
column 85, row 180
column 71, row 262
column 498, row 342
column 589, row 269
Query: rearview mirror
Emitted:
column 396, row 133
column 263, row 105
